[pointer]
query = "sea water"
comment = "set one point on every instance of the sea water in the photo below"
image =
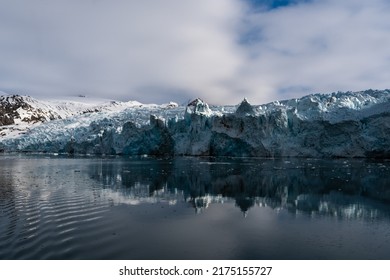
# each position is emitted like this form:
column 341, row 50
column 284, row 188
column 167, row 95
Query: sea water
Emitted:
column 58, row 207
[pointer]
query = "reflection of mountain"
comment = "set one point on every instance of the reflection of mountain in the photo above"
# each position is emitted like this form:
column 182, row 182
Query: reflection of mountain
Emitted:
column 350, row 189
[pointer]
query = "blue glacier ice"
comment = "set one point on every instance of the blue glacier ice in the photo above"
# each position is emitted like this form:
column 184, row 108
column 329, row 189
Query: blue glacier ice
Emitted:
column 350, row 124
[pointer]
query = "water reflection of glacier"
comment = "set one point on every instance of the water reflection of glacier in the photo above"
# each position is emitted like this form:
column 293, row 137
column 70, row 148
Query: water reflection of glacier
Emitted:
column 142, row 208
column 351, row 189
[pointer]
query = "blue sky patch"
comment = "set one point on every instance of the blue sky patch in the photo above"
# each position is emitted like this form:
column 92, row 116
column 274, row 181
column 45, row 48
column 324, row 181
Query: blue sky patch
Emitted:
column 273, row 4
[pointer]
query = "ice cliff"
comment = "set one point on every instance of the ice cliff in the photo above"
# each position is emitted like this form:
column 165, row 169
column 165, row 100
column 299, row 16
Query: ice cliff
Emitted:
column 351, row 124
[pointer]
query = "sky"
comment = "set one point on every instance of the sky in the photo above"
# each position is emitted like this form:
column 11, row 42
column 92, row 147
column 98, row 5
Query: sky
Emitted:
column 178, row 50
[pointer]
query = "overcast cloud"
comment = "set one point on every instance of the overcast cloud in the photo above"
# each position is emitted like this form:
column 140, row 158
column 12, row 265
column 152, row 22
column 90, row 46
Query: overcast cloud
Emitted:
column 220, row 50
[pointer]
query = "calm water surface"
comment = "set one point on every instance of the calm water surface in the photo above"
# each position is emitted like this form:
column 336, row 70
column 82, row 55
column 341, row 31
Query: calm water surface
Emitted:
column 193, row 208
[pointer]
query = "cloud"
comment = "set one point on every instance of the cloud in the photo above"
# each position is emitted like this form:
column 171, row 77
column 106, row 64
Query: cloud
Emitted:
column 320, row 46
column 125, row 49
column 220, row 50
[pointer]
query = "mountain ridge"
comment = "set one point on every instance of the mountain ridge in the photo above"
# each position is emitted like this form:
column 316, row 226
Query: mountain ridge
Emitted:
column 351, row 124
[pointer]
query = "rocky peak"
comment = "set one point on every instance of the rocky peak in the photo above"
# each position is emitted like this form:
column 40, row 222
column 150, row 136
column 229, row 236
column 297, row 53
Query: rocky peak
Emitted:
column 17, row 108
column 9, row 106
column 245, row 109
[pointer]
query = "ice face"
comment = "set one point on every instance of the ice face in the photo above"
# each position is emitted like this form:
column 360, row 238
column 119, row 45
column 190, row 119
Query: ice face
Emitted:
column 320, row 125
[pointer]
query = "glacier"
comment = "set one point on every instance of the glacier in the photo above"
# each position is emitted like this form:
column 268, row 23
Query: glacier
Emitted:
column 342, row 124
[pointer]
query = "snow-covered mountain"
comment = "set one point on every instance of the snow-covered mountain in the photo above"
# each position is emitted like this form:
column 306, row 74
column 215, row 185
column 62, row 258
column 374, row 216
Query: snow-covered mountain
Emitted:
column 351, row 124
column 19, row 114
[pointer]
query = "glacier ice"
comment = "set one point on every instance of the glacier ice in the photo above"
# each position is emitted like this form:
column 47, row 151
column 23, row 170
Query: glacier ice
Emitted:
column 350, row 124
